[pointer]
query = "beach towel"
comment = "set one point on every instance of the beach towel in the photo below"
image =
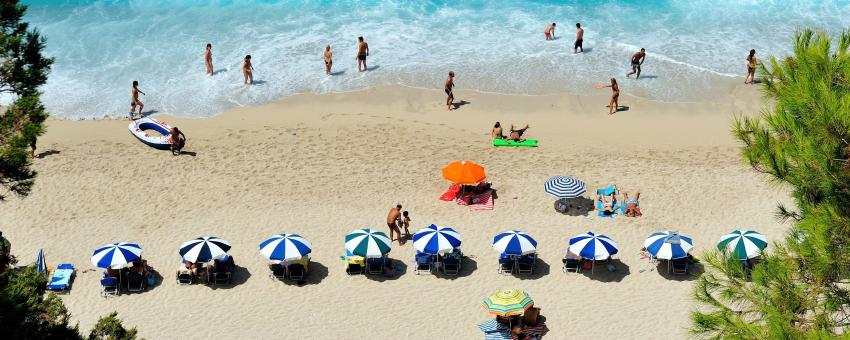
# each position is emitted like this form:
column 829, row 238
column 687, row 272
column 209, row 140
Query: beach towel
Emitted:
column 505, row 142
column 618, row 209
column 61, row 278
column 483, row 201
column 607, row 191
column 450, row 194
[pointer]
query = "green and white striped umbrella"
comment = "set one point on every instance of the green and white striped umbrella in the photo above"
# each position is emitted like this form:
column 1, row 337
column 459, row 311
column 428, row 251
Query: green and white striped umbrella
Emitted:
column 743, row 244
column 367, row 243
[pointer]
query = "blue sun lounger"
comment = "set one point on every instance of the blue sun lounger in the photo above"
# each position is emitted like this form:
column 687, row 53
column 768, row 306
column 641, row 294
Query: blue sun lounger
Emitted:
column 62, row 277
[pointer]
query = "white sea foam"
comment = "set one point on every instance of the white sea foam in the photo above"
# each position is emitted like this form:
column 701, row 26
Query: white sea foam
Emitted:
column 493, row 46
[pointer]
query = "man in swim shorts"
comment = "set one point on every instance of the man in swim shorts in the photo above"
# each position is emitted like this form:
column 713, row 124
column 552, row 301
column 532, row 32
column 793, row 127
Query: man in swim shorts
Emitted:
column 579, row 39
column 362, row 52
column 637, row 61
column 550, row 32
column 450, row 84
column 393, row 219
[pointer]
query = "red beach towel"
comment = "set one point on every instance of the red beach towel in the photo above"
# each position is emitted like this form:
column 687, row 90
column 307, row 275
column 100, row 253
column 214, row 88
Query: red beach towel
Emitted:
column 483, row 201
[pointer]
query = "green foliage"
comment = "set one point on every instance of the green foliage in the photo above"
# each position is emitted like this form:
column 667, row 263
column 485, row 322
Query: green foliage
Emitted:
column 799, row 290
column 23, row 69
column 110, row 328
column 24, row 311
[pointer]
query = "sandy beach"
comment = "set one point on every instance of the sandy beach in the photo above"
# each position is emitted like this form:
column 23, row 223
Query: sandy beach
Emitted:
column 323, row 165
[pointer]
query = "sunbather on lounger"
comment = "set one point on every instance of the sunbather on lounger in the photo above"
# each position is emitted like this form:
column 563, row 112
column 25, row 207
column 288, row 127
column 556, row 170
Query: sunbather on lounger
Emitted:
column 607, row 206
column 632, row 205
column 516, row 135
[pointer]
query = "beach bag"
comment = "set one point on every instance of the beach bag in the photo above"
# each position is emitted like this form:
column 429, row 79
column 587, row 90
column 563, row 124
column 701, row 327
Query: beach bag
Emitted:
column 151, row 280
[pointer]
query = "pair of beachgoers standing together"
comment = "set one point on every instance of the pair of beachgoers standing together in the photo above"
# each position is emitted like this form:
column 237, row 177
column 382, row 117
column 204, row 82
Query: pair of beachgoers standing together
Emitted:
column 362, row 53
column 549, row 33
column 397, row 219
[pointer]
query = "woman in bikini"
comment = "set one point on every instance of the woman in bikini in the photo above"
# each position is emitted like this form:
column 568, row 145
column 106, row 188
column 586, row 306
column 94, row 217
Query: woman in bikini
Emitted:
column 134, row 102
column 751, row 68
column 614, row 106
column 607, row 206
column 248, row 70
column 497, row 132
column 328, row 59
column 632, row 205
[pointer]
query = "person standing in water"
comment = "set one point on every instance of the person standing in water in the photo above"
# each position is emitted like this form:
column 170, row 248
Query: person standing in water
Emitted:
column 550, row 32
column 248, row 70
column 208, row 59
column 134, row 101
column 328, row 59
column 614, row 106
column 450, row 84
column 362, row 52
column 751, row 68
column 579, row 39
column 637, row 61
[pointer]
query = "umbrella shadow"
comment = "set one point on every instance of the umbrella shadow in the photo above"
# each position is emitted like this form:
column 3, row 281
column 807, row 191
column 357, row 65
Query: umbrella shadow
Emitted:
column 602, row 273
column 399, row 269
column 579, row 206
column 695, row 270
column 315, row 274
column 467, row 266
column 238, row 276
column 541, row 269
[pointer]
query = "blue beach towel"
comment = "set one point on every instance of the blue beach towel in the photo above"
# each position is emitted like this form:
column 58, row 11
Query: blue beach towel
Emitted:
column 61, row 278
column 618, row 209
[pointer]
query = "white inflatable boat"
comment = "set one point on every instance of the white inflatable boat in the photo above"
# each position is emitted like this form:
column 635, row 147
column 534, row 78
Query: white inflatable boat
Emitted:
column 138, row 127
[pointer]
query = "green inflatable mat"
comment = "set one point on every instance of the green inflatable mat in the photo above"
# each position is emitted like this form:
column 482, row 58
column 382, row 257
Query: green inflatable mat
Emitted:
column 504, row 142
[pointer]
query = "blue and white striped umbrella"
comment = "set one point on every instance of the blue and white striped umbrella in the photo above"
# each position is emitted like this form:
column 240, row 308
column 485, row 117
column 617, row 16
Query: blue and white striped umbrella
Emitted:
column 565, row 187
column 115, row 255
column 514, row 242
column 668, row 245
column 285, row 247
column 592, row 246
column 204, row 249
column 436, row 240
column 40, row 262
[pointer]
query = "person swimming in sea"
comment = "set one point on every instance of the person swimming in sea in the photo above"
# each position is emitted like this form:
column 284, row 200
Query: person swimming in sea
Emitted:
column 550, row 32
column 208, row 59
column 248, row 70
column 614, row 106
column 579, row 39
column 450, row 84
column 134, row 101
column 362, row 53
column 328, row 59
column 751, row 68
column 637, row 61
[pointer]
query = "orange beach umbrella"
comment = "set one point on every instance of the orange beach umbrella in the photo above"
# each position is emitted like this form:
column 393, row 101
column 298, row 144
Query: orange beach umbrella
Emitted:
column 464, row 172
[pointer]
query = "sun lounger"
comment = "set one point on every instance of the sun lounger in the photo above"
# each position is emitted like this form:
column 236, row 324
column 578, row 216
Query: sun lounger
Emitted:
column 375, row 266
column 525, row 264
column 135, row 282
column 424, row 263
column 451, row 262
column 278, row 271
column 450, row 194
column 109, row 286
column 354, row 265
column 296, row 271
column 571, row 265
column 184, row 275
column 62, row 277
column 679, row 266
column 506, row 264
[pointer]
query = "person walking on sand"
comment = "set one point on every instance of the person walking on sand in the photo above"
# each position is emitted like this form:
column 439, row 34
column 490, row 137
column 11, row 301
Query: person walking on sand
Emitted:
column 450, row 84
column 637, row 61
column 134, row 102
column 208, row 59
column 614, row 106
column 751, row 68
column 393, row 219
column 328, row 59
column 404, row 221
column 248, row 70
column 362, row 52
column 550, row 32
column 579, row 39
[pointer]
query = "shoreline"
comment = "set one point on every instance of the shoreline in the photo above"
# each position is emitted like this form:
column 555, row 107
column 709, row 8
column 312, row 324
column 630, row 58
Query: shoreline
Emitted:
column 323, row 165
column 722, row 88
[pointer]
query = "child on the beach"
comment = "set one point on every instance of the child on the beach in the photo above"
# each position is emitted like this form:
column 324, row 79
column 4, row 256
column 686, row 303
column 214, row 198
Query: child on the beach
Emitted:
column 404, row 221
column 248, row 70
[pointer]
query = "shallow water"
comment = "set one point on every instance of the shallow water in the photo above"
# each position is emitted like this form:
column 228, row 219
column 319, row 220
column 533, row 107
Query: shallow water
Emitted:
column 493, row 46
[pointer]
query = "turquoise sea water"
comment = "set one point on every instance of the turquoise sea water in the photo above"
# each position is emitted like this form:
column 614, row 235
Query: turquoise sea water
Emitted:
column 493, row 46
